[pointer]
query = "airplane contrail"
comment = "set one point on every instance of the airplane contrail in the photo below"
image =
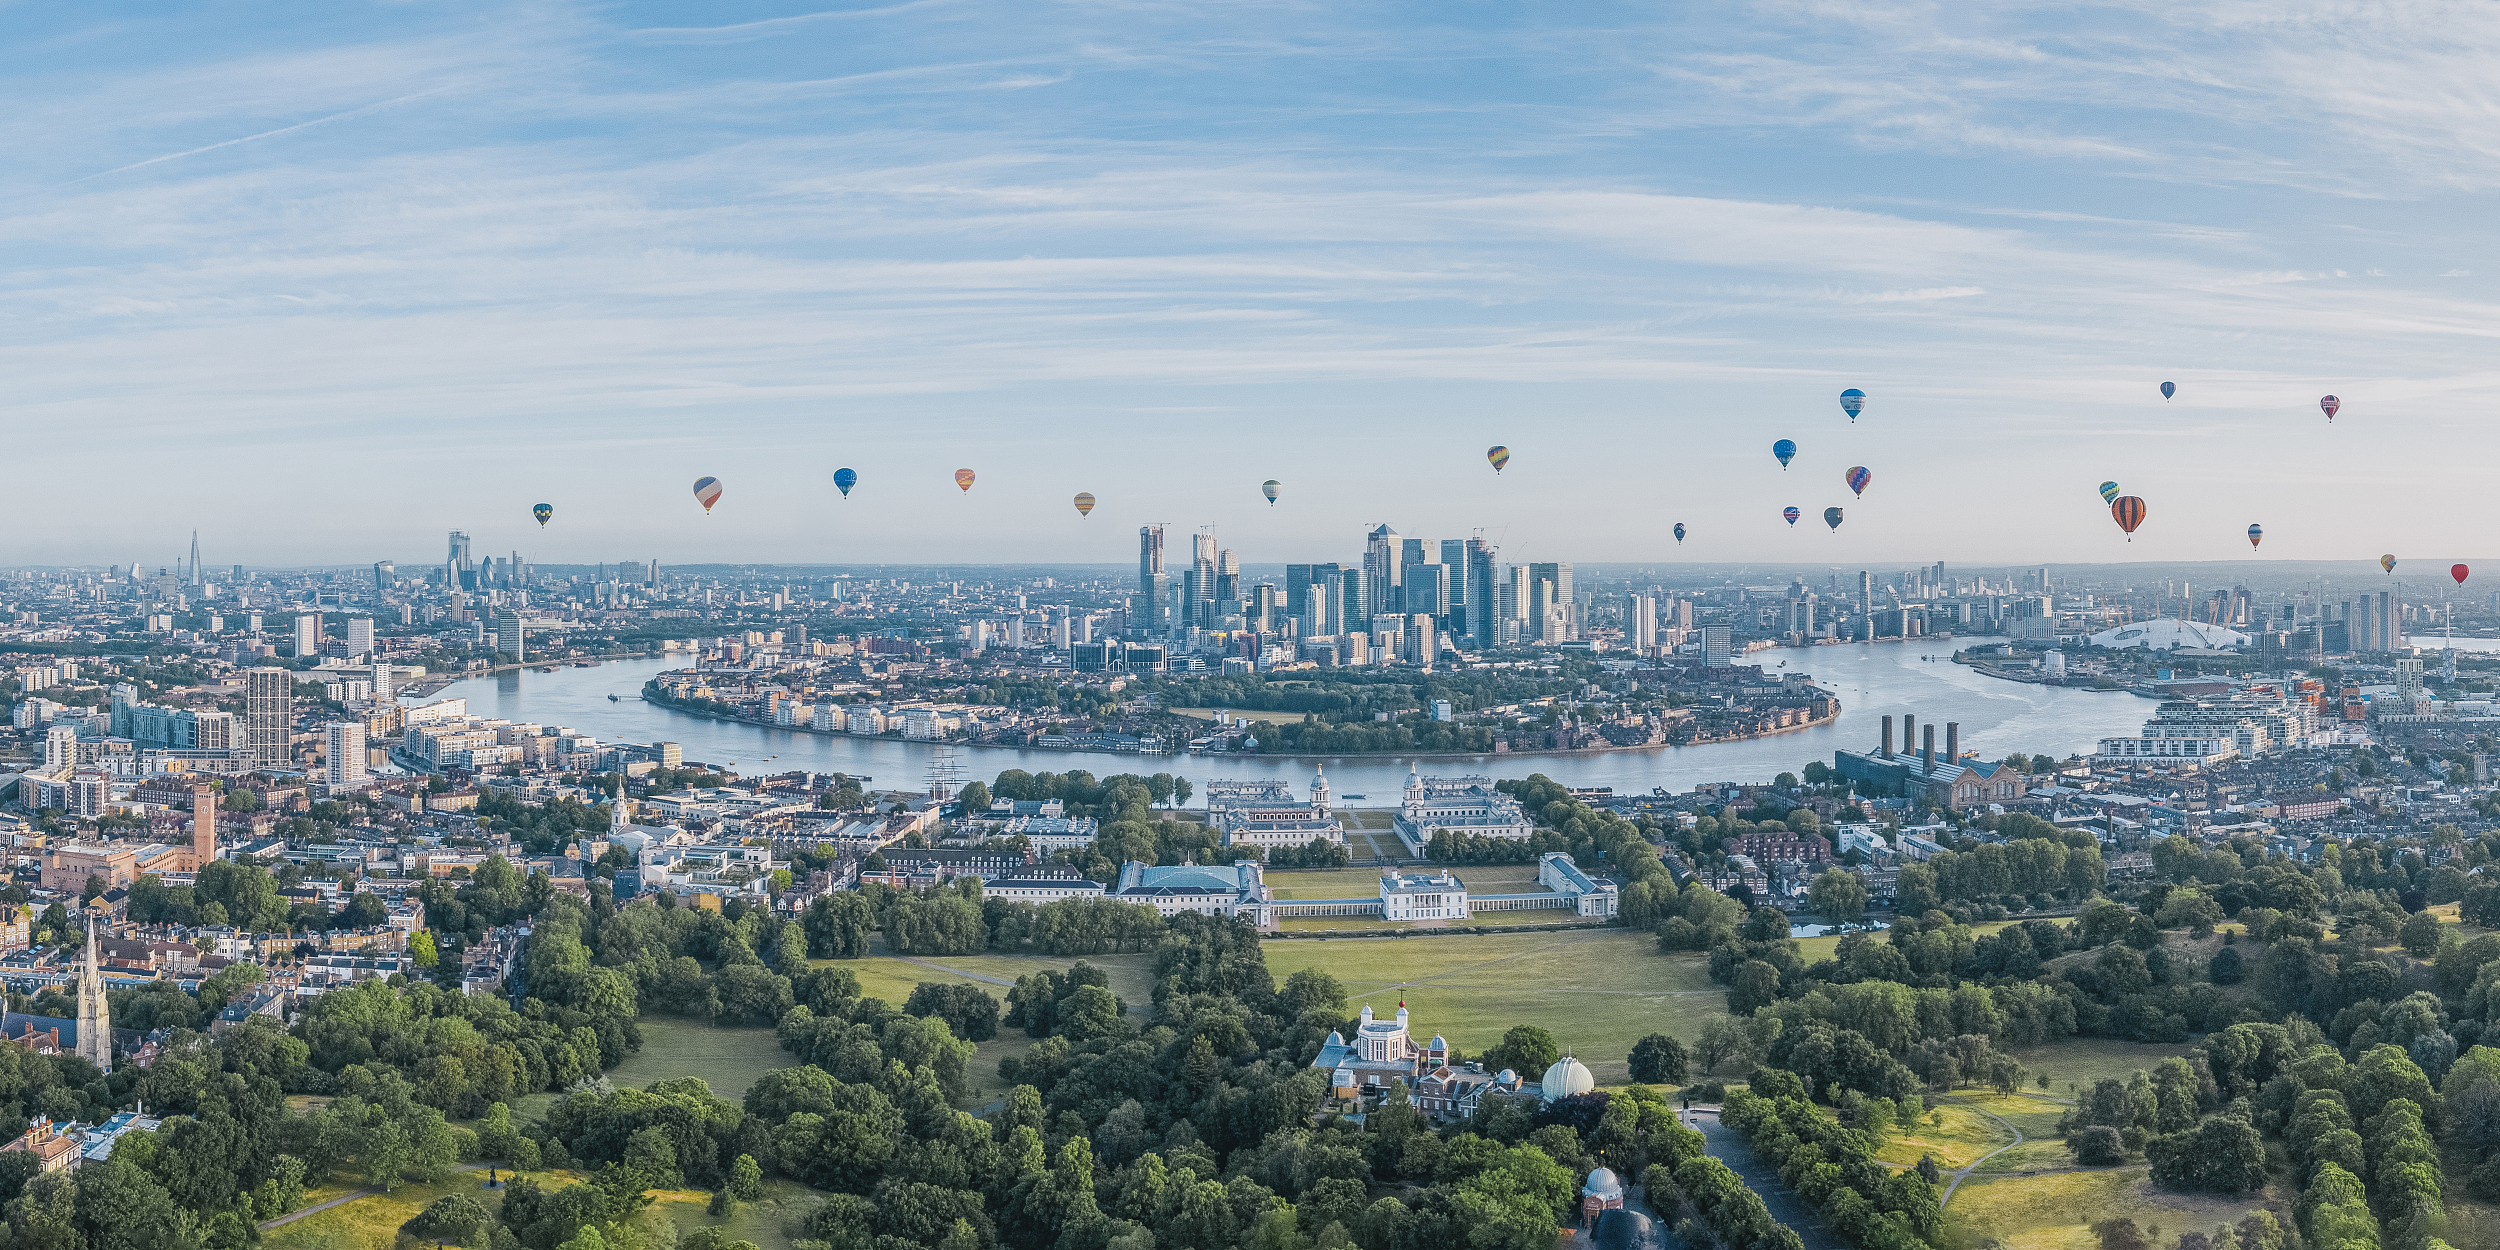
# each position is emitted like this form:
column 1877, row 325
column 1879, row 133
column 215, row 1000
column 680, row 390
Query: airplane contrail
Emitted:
column 266, row 134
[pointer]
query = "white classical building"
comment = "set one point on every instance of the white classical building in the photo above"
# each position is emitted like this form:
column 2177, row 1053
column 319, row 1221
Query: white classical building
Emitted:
column 1263, row 814
column 1238, row 890
column 1042, row 884
column 1422, row 896
column 1462, row 805
column 1381, row 1053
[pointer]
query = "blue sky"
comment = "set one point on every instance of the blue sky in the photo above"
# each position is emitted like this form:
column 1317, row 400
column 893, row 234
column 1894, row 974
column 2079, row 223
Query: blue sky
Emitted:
column 328, row 280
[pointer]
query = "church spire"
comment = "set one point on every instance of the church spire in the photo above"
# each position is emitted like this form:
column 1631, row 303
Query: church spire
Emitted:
column 616, row 808
column 95, row 1016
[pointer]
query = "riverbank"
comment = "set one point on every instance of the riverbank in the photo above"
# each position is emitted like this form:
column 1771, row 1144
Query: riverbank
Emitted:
column 1420, row 756
column 436, row 683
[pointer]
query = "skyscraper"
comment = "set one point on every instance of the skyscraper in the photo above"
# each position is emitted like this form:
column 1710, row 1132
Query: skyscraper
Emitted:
column 95, row 1017
column 1483, row 604
column 1640, row 623
column 1549, row 601
column 307, row 633
column 195, row 558
column 343, row 758
column 511, row 635
column 1148, row 614
column 360, row 635
column 1454, row 556
column 269, row 716
column 384, row 572
column 1381, row 549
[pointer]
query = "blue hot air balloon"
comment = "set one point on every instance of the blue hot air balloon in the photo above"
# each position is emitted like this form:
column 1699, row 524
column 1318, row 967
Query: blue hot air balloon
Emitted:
column 1851, row 401
column 1786, row 450
column 1679, row 531
column 1791, row 513
column 845, row 479
column 2169, row 389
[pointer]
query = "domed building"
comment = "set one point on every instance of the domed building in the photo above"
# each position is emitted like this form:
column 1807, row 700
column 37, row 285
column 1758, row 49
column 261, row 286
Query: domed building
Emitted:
column 1567, row 1077
column 1602, row 1192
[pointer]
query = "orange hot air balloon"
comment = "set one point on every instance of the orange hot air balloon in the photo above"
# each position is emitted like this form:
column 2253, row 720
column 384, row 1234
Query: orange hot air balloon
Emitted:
column 1085, row 503
column 2128, row 511
column 963, row 479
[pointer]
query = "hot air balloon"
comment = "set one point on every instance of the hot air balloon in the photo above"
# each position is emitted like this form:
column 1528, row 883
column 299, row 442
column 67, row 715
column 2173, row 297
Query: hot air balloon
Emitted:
column 2388, row 563
column 2330, row 404
column 963, row 479
column 1085, row 503
column 2458, row 571
column 1679, row 531
column 1791, row 513
column 707, row 492
column 2109, row 492
column 1851, row 401
column 1271, row 488
column 1785, row 451
column 844, row 480
column 2169, row 389
column 1831, row 517
column 2254, row 534
column 543, row 512
column 1858, row 478
column 1498, row 455
column 2128, row 512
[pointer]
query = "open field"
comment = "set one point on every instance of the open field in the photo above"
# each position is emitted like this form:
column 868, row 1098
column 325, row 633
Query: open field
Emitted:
column 372, row 1223
column 2036, row 1117
column 1361, row 924
column 1597, row 990
column 1264, row 718
column 2053, row 1212
column 2082, row 1060
column 728, row 1060
column 760, row 1222
column 1963, row 1138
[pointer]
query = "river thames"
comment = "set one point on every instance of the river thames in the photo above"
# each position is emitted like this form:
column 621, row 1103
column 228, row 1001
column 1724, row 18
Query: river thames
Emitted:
column 1872, row 681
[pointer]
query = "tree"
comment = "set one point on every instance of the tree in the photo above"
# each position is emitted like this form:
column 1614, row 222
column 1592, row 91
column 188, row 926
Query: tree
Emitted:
column 1838, row 896
column 1659, row 1060
column 421, row 947
column 453, row 1219
column 974, row 799
column 1757, row 984
column 1526, row 1050
column 2420, row 935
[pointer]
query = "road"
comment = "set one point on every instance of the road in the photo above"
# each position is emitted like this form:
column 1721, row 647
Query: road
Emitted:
column 1729, row 1147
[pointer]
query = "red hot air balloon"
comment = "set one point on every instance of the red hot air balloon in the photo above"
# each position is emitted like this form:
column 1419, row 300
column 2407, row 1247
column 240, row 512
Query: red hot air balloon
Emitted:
column 2129, row 513
column 2329, row 405
column 2458, row 571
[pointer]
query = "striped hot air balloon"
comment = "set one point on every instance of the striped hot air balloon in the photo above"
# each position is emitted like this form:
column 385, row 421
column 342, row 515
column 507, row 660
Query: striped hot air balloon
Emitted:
column 2109, row 492
column 1271, row 488
column 707, row 492
column 963, row 479
column 1085, row 503
column 1498, row 456
column 2256, row 534
column 1852, row 401
column 2128, row 512
column 1858, row 478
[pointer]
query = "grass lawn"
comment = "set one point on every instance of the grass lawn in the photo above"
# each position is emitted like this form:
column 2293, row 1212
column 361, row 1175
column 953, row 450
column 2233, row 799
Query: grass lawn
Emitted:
column 2037, row 1118
column 1597, row 990
column 728, row 1060
column 1964, row 1136
column 373, row 1223
column 2053, row 1212
column 2082, row 1060
column 686, row 1210
column 1264, row 718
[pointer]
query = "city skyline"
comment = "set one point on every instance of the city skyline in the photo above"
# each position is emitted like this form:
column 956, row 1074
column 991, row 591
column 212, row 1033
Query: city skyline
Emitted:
column 409, row 270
